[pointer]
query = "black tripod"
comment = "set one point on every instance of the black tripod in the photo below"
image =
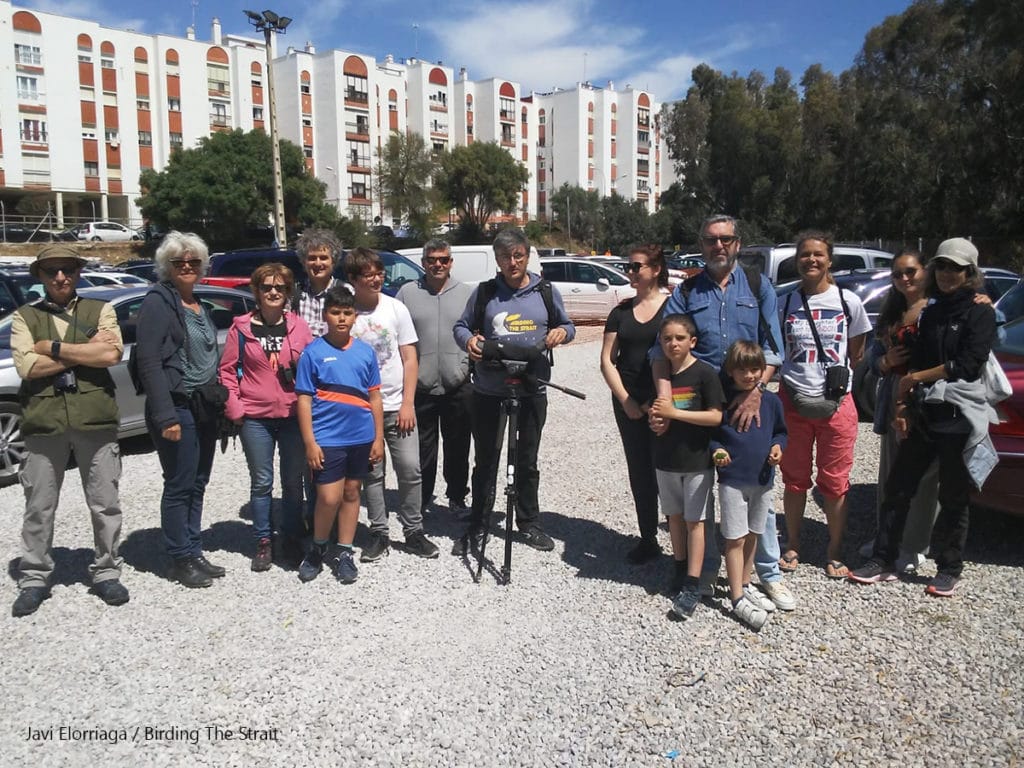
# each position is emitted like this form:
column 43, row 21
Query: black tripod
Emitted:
column 514, row 383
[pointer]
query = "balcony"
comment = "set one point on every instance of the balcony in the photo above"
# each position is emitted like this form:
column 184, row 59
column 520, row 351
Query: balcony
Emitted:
column 218, row 88
column 351, row 94
column 219, row 120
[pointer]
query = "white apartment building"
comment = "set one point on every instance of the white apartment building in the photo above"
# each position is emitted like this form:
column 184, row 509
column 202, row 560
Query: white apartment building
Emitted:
column 84, row 109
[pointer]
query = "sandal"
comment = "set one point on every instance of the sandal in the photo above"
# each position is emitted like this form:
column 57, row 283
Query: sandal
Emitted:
column 789, row 562
column 836, row 569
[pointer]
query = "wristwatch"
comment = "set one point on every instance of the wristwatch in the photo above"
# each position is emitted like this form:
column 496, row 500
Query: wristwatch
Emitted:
column 762, row 387
column 55, row 350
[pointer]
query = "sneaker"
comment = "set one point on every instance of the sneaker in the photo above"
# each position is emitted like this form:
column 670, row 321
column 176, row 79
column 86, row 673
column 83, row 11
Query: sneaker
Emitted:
column 942, row 585
column 345, row 571
column 678, row 577
column 645, row 551
column 753, row 594
column 536, row 538
column 418, row 544
column 264, row 555
column 685, row 603
column 749, row 613
column 313, row 562
column 909, row 563
column 872, row 572
column 379, row 546
column 779, row 594
column 707, row 584
column 111, row 592
column 470, row 541
column 28, row 601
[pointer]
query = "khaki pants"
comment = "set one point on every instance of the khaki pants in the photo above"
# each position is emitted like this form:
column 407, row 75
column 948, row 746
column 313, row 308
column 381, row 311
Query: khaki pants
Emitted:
column 42, row 474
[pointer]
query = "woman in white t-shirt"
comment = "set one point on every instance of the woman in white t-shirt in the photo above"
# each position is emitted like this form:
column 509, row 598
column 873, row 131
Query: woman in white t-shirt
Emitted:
column 819, row 409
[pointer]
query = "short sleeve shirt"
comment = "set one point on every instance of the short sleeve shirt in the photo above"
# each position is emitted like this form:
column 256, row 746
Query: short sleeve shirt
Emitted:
column 686, row 447
column 388, row 327
column 339, row 381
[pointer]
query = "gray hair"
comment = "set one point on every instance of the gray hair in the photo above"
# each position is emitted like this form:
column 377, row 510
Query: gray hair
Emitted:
column 314, row 240
column 508, row 239
column 436, row 244
column 720, row 218
column 176, row 246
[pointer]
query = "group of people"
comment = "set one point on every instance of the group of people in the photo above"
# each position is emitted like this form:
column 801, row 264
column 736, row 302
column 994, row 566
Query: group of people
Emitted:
column 334, row 375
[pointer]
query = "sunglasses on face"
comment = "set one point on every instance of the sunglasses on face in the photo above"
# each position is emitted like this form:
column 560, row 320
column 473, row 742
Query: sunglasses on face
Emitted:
column 182, row 263
column 723, row 239
column 54, row 271
column 442, row 260
column 948, row 266
column 635, row 266
column 268, row 287
column 904, row 273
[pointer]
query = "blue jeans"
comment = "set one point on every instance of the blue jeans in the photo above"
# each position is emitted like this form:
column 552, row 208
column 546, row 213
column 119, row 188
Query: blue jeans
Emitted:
column 766, row 556
column 259, row 436
column 186, row 464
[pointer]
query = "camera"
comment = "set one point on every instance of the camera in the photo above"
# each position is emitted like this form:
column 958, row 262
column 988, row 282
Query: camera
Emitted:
column 66, row 382
column 287, row 374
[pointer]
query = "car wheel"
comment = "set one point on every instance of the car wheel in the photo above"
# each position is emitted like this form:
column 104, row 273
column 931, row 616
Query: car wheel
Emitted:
column 12, row 444
column 95, row 238
column 136, row 237
column 864, row 388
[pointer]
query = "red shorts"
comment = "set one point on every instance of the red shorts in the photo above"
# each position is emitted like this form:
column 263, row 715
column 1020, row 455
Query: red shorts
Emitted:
column 835, row 439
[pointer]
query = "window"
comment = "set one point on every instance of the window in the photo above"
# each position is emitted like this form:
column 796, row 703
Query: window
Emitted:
column 142, row 104
column 257, row 113
column 553, row 271
column 359, row 154
column 33, row 131
column 438, row 146
column 643, row 137
column 145, row 139
column 307, row 151
column 542, row 119
column 89, row 133
column 107, row 62
column 92, row 169
column 392, row 107
column 86, row 93
column 358, row 189
column 84, row 58
column 304, row 88
column 355, row 88
column 440, row 98
column 28, row 54
column 174, row 105
column 507, row 109
column 218, row 113
column 176, row 139
column 28, row 88
column 112, row 135
column 307, row 122
column 217, row 78
column 508, row 134
column 256, row 81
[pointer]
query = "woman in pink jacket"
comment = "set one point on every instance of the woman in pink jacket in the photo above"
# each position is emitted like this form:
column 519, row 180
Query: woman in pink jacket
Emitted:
column 258, row 367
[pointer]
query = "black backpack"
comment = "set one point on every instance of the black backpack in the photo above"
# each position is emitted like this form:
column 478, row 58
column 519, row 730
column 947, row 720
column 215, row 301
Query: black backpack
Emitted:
column 754, row 279
column 488, row 289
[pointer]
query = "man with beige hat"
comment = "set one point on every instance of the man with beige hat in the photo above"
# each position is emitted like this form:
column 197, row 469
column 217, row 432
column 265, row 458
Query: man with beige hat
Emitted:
column 62, row 346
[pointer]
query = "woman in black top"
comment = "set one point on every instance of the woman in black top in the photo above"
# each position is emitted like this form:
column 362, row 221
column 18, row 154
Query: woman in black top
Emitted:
column 955, row 336
column 630, row 331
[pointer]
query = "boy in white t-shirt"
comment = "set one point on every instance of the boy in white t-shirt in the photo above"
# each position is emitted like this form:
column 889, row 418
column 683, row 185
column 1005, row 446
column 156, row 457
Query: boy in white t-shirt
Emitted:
column 385, row 324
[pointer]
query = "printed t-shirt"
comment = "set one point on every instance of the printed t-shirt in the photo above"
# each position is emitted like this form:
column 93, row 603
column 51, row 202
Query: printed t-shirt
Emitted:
column 340, row 382
column 388, row 327
column 686, row 447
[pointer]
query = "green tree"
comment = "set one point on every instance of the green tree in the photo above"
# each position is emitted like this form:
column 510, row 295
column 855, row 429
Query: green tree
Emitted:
column 623, row 222
column 479, row 180
column 578, row 212
column 404, row 173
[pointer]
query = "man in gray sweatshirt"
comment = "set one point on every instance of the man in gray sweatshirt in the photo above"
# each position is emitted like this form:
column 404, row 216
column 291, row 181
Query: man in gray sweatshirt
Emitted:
column 443, row 391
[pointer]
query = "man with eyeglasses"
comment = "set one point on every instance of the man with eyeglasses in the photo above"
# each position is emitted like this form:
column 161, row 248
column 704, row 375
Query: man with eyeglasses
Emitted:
column 62, row 346
column 725, row 307
column 319, row 251
column 435, row 303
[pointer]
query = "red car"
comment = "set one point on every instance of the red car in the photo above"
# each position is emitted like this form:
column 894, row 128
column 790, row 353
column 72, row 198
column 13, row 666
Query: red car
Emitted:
column 1003, row 490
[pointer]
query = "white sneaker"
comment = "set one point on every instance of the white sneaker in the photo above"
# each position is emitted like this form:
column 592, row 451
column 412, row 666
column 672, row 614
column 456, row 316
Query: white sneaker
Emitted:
column 753, row 594
column 750, row 614
column 779, row 594
column 909, row 563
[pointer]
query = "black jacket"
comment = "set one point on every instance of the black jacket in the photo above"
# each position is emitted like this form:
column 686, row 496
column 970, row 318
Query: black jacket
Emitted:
column 160, row 334
column 956, row 332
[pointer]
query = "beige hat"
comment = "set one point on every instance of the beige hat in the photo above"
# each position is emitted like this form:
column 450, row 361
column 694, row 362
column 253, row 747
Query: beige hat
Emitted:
column 959, row 251
column 55, row 253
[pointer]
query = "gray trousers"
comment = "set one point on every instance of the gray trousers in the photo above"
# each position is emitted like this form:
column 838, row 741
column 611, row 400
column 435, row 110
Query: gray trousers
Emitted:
column 405, row 455
column 42, row 475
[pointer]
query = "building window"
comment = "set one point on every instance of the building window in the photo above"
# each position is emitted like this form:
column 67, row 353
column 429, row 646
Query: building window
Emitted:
column 257, row 113
column 92, row 169
column 217, row 78
column 507, row 109
column 643, row 137
column 358, row 189
column 256, row 82
column 142, row 104
column 359, row 154
column 304, row 88
column 84, row 58
column 307, row 151
column 176, row 139
column 107, row 62
column 89, row 133
column 218, row 114
column 28, row 88
column 174, row 105
column 307, row 122
column 440, row 98
column 507, row 134
column 438, row 146
column 111, row 135
column 86, row 93
column 355, row 88
column 145, row 139
column 392, row 107
column 28, row 54
column 33, row 131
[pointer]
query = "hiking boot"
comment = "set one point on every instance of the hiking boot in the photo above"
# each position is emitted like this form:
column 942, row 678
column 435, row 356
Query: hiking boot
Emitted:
column 942, row 585
column 685, row 603
column 204, row 565
column 536, row 538
column 345, row 571
column 872, row 572
column 111, row 591
column 313, row 562
column 645, row 551
column 678, row 577
column 470, row 541
column 418, row 544
column 753, row 594
column 749, row 613
column 378, row 547
column 28, row 601
column 779, row 594
column 187, row 573
column 264, row 555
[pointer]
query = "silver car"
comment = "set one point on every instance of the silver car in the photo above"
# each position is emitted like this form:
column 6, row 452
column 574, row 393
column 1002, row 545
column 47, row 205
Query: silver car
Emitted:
column 589, row 290
column 224, row 305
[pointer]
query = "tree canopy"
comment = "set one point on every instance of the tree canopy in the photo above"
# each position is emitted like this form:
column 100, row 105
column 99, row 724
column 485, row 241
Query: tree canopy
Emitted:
column 479, row 180
column 404, row 172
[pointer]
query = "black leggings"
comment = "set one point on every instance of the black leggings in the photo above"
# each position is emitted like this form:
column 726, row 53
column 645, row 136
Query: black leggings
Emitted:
column 638, row 443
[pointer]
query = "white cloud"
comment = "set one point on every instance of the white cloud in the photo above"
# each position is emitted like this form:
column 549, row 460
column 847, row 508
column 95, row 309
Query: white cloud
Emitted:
column 312, row 23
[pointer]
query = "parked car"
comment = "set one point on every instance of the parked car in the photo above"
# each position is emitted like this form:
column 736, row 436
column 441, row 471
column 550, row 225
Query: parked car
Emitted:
column 589, row 290
column 11, row 296
column 32, row 288
column 100, row 277
column 22, row 233
column 107, row 231
column 471, row 264
column 687, row 264
column 1003, row 490
column 1011, row 303
column 999, row 281
column 224, row 304
column 778, row 262
column 143, row 268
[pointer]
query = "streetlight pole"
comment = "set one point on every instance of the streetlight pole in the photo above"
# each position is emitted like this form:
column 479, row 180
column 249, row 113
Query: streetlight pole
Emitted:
column 268, row 23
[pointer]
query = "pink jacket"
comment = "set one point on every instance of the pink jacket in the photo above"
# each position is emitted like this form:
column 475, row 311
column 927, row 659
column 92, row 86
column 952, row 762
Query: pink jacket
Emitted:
column 260, row 394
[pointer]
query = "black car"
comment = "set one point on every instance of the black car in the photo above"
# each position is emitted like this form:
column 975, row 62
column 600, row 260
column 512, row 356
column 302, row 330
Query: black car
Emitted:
column 11, row 295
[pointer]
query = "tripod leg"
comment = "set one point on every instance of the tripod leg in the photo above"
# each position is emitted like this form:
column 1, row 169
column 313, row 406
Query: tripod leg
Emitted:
column 511, row 487
column 491, row 493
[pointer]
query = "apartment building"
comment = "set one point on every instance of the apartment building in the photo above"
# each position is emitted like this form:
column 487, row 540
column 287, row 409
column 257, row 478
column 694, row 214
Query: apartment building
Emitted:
column 84, row 109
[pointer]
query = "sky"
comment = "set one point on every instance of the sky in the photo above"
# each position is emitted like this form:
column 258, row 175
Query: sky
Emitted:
column 541, row 44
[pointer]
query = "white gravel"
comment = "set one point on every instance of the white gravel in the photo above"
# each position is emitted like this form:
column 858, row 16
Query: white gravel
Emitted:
column 575, row 663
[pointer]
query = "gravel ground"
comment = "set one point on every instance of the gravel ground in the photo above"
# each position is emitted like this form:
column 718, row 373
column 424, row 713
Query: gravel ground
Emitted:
column 575, row 663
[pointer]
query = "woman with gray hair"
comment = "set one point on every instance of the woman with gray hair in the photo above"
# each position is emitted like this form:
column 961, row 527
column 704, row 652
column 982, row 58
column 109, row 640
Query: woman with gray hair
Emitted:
column 319, row 251
column 177, row 358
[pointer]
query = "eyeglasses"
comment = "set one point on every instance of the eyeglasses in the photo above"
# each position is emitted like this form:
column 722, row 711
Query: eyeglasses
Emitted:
column 949, row 266
column 268, row 287
column 372, row 275
column 723, row 239
column 54, row 271
column 442, row 260
column 635, row 266
column 904, row 273
column 514, row 256
column 182, row 263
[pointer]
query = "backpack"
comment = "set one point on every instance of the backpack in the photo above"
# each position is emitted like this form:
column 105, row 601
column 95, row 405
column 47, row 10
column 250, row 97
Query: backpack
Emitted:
column 754, row 279
column 488, row 289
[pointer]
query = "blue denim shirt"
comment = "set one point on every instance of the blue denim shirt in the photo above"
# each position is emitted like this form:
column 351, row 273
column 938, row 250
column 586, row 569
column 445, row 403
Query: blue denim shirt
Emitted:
column 723, row 317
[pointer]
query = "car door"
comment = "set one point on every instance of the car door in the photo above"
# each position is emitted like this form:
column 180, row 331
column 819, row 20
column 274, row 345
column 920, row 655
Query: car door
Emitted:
column 597, row 288
column 557, row 273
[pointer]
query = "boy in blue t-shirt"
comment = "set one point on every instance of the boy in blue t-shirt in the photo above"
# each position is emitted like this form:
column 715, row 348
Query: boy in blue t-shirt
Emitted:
column 341, row 417
column 746, row 464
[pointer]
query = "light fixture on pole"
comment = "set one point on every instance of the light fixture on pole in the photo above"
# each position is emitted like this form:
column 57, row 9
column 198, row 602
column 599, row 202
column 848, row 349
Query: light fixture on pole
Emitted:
column 268, row 23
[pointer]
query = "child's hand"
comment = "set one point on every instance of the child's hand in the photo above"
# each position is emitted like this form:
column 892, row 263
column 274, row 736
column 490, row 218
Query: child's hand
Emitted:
column 721, row 458
column 377, row 451
column 315, row 456
column 662, row 408
column 775, row 455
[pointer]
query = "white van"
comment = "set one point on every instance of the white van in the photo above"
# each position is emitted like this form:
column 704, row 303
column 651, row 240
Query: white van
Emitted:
column 472, row 264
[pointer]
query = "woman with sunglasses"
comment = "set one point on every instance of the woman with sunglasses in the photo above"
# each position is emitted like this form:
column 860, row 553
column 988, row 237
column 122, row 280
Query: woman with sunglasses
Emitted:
column 940, row 412
column 177, row 357
column 629, row 332
column 258, row 368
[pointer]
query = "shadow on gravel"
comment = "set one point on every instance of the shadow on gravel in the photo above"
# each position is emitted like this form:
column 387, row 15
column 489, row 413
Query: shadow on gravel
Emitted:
column 70, row 566
column 860, row 526
column 144, row 549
